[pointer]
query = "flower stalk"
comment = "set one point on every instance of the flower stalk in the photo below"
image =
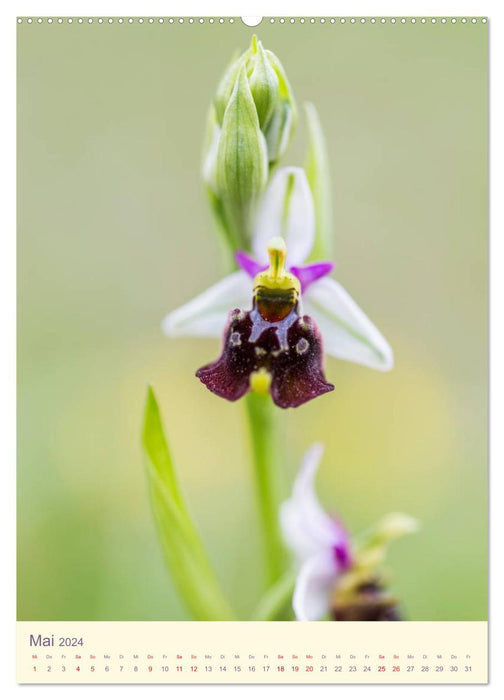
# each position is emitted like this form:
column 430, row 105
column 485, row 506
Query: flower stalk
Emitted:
column 264, row 439
column 276, row 604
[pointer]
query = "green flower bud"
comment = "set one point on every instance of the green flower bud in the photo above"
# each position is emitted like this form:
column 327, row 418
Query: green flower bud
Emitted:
column 242, row 164
column 226, row 85
column 270, row 90
column 283, row 121
column 210, row 149
column 263, row 83
column 249, row 127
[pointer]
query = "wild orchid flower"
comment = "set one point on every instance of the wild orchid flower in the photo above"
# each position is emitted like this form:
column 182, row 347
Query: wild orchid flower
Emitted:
column 272, row 348
column 339, row 577
column 286, row 213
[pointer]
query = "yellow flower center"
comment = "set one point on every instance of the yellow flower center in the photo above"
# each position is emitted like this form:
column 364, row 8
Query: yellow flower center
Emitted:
column 276, row 277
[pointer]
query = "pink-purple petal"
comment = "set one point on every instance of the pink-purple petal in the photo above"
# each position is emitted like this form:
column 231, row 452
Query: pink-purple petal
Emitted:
column 248, row 264
column 343, row 555
column 307, row 274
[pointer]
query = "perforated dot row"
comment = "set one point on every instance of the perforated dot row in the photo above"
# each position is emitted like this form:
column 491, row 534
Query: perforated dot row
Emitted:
column 232, row 20
column 126, row 20
column 379, row 20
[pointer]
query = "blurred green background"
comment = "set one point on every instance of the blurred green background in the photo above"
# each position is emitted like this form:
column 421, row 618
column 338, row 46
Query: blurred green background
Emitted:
column 114, row 232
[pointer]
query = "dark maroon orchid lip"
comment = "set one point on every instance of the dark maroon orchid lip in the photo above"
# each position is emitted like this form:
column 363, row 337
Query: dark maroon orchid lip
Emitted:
column 288, row 351
column 307, row 274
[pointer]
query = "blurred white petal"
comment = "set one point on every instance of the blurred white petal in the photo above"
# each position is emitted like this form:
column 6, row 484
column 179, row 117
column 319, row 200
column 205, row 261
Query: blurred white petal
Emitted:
column 206, row 314
column 314, row 586
column 306, row 527
column 293, row 219
column 347, row 332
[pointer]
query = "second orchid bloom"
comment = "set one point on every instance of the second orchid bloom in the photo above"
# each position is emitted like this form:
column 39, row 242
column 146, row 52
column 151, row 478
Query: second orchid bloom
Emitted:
column 339, row 577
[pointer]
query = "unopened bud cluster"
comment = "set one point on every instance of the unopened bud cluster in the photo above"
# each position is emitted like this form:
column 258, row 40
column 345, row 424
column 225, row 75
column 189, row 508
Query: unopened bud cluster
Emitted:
column 250, row 124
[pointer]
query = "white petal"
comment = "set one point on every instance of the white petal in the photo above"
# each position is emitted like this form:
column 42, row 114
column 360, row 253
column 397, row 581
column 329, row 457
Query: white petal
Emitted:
column 314, row 586
column 306, row 527
column 347, row 332
column 206, row 314
column 293, row 219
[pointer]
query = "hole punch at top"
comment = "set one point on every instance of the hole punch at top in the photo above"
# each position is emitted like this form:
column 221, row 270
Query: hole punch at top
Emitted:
column 251, row 21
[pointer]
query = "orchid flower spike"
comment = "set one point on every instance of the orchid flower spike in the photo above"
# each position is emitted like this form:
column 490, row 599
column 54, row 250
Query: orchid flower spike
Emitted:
column 339, row 577
column 287, row 211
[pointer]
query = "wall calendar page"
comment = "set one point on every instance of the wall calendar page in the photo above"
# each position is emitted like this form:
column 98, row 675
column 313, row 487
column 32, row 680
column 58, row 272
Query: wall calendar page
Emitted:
column 252, row 349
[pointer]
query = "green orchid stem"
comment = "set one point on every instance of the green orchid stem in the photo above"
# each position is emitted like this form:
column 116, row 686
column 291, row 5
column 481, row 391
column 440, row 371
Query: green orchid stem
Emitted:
column 265, row 439
column 274, row 603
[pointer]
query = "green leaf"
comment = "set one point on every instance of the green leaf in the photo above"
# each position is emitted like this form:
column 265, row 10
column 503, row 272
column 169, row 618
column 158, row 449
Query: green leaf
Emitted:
column 317, row 171
column 183, row 550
